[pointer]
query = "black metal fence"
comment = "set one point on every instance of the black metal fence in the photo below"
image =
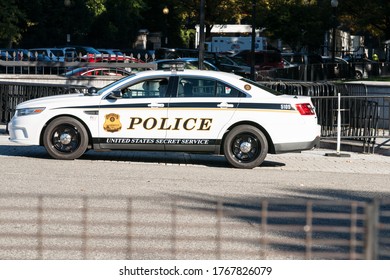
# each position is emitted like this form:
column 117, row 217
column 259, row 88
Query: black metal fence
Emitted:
column 12, row 94
column 58, row 67
column 14, row 63
column 34, row 226
column 327, row 71
column 364, row 110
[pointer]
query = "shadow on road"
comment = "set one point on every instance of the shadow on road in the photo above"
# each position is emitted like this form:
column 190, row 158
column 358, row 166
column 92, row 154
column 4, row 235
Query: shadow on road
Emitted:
column 131, row 156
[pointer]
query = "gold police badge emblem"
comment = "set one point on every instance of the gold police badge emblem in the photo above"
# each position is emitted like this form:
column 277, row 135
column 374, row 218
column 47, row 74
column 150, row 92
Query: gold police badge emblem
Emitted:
column 112, row 123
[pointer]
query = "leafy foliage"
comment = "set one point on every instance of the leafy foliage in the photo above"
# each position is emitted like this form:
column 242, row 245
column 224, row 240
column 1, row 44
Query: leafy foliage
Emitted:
column 115, row 23
column 10, row 15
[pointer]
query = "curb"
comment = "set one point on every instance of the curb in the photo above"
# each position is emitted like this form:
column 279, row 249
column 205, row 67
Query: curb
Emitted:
column 355, row 147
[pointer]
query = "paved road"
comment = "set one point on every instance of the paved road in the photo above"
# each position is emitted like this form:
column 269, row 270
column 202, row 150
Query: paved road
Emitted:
column 308, row 174
column 48, row 204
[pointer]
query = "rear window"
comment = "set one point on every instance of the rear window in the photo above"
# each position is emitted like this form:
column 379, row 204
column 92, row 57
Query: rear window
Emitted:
column 270, row 90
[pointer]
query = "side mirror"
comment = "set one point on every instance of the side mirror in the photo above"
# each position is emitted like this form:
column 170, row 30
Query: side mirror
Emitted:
column 92, row 90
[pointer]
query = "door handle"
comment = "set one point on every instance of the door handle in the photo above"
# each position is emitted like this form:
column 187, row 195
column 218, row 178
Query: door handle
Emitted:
column 225, row 105
column 156, row 105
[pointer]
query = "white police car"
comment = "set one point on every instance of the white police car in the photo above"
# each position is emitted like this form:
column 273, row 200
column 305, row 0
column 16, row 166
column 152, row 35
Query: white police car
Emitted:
column 189, row 111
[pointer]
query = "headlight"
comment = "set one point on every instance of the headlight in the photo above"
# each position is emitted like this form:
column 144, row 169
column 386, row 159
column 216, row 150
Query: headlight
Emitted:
column 29, row 111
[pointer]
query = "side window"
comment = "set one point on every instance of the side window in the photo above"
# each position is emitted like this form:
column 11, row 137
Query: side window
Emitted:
column 200, row 87
column 227, row 91
column 146, row 89
column 196, row 87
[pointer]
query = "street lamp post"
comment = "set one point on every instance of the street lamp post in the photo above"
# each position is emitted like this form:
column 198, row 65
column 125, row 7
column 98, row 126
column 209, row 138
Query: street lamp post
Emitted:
column 166, row 12
column 201, row 35
column 253, row 46
column 67, row 4
column 334, row 4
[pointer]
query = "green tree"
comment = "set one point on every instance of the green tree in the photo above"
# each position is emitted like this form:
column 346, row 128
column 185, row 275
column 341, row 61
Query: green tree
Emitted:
column 48, row 21
column 301, row 24
column 216, row 12
column 10, row 17
column 370, row 18
column 118, row 25
column 100, row 23
column 115, row 23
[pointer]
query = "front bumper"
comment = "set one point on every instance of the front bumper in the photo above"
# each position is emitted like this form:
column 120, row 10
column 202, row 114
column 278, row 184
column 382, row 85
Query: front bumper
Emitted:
column 23, row 132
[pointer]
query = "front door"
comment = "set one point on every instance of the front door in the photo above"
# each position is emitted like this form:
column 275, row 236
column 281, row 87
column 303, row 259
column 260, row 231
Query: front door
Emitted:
column 135, row 116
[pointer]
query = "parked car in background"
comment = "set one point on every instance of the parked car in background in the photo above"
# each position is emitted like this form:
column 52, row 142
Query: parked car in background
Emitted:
column 264, row 60
column 341, row 65
column 113, row 55
column 12, row 54
column 288, row 64
column 230, row 64
column 144, row 55
column 83, row 53
column 98, row 71
column 111, row 51
column 49, row 54
column 301, row 58
column 19, row 54
column 5, row 55
column 364, row 65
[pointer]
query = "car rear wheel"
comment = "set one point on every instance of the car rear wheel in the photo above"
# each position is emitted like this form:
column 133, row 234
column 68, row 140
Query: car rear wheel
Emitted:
column 358, row 75
column 65, row 138
column 245, row 146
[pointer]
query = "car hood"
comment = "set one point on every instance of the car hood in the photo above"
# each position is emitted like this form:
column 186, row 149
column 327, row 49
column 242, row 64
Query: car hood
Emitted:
column 59, row 101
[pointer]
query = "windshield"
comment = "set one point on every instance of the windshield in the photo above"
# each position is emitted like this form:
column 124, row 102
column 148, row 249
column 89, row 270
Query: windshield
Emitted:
column 57, row 52
column 270, row 90
column 239, row 61
column 113, row 84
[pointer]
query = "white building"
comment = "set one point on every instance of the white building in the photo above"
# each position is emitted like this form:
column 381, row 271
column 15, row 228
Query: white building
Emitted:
column 228, row 30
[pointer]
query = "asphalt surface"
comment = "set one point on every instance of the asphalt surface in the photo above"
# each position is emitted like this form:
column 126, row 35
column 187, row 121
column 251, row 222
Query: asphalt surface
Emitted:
column 306, row 174
column 44, row 200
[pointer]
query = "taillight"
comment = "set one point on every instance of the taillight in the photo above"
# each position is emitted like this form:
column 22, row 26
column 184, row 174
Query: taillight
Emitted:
column 305, row 109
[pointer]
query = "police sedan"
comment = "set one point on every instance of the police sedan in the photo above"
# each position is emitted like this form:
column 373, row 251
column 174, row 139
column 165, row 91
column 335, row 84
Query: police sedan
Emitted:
column 188, row 111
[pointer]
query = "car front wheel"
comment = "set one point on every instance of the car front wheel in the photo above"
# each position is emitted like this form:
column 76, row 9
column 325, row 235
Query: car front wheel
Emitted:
column 245, row 146
column 65, row 138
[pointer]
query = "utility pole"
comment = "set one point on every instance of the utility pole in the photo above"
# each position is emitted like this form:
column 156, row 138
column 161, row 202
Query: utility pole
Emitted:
column 252, row 64
column 201, row 35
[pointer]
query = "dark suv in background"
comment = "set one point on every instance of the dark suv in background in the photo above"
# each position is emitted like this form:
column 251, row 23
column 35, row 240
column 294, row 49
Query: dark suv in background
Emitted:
column 301, row 58
column 264, row 60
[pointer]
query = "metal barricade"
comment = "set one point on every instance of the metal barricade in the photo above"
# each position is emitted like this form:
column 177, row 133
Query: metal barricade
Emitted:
column 34, row 226
column 365, row 116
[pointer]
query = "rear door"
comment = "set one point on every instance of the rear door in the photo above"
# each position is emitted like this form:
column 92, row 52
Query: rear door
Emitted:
column 199, row 113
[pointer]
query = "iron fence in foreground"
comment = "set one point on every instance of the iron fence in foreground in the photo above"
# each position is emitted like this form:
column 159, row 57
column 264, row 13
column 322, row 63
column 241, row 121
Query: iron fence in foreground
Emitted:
column 97, row 227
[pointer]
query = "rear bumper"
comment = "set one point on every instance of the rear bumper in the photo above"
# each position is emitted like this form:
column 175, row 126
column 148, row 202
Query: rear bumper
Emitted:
column 296, row 147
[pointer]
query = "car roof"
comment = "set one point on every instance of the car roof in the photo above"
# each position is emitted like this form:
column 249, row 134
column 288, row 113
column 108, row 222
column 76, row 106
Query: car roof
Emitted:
column 191, row 72
column 55, row 48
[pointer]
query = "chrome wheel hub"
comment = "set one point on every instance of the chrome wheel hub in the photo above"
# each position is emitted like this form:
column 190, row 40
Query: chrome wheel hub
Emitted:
column 65, row 138
column 245, row 147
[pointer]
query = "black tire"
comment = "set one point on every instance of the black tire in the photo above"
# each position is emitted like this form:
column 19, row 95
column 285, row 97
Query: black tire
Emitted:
column 358, row 75
column 245, row 146
column 65, row 138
